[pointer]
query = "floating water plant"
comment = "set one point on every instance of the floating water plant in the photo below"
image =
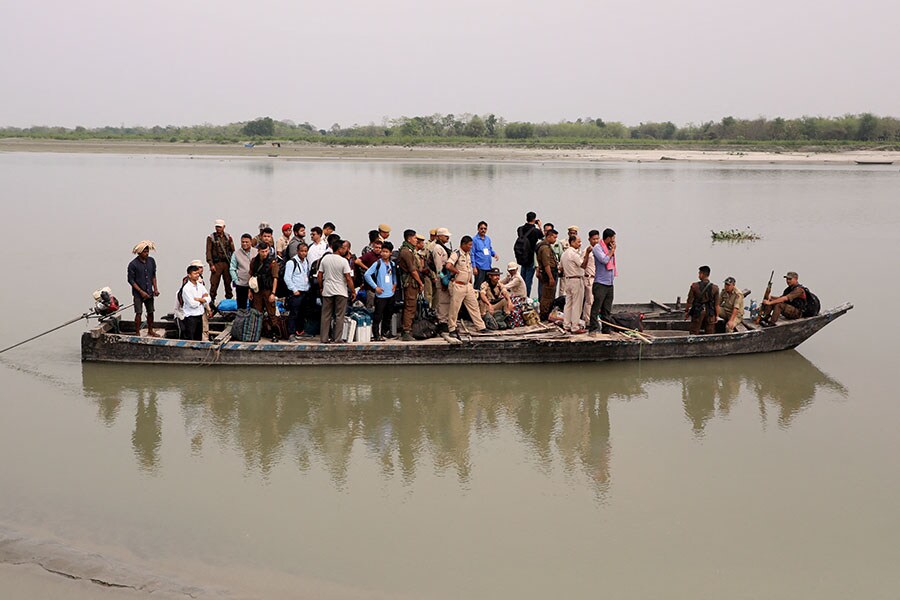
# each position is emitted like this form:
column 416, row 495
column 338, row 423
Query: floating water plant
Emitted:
column 735, row 235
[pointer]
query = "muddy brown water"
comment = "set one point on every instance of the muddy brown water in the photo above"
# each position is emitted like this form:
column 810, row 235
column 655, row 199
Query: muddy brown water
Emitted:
column 762, row 476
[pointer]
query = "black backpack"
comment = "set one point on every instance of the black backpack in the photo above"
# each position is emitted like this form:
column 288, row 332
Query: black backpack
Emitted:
column 521, row 247
column 813, row 306
column 281, row 289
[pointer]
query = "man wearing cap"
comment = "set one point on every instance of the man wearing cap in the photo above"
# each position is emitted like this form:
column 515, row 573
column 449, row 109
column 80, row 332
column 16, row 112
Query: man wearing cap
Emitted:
column 206, row 314
column 411, row 281
column 439, row 255
column 282, row 243
column 384, row 231
column 194, row 303
column 702, row 303
column 731, row 305
column 219, row 248
column 142, row 280
column 548, row 271
column 513, row 282
column 482, row 254
column 240, row 269
column 461, row 290
column 790, row 304
column 425, row 273
column 572, row 266
column 494, row 300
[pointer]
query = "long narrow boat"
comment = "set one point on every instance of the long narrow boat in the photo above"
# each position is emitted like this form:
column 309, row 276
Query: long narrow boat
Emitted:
column 666, row 336
column 874, row 162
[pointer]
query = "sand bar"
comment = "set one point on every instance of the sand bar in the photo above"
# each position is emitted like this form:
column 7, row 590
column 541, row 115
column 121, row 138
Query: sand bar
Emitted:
column 305, row 151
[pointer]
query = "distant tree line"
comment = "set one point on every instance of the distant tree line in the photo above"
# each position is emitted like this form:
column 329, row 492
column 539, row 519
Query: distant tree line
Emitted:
column 490, row 128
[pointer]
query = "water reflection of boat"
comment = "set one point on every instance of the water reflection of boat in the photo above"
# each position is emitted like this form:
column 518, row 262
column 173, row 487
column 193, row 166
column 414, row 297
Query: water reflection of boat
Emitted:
column 541, row 345
column 400, row 416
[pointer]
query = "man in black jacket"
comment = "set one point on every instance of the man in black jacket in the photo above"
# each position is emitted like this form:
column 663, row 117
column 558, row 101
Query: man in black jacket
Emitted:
column 527, row 238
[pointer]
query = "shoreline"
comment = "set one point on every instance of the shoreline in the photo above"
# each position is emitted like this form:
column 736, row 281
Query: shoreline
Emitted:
column 305, row 151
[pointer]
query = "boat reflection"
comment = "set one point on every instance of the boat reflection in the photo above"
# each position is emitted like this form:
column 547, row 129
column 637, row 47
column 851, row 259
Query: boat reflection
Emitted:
column 402, row 415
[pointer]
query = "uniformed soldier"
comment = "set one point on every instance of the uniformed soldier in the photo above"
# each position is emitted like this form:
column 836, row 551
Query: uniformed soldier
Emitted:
column 424, row 270
column 548, row 271
column 790, row 304
column 590, row 269
column 702, row 303
column 731, row 305
column 408, row 262
column 431, row 281
column 219, row 248
column 572, row 268
column 494, row 299
column 461, row 290
column 439, row 256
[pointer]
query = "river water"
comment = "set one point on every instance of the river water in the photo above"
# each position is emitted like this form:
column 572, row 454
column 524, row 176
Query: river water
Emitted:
column 763, row 476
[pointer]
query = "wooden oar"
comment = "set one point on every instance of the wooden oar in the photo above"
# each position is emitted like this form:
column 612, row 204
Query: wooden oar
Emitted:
column 86, row 315
column 632, row 331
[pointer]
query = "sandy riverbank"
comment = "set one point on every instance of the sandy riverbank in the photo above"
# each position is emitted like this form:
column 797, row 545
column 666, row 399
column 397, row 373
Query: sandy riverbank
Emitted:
column 290, row 151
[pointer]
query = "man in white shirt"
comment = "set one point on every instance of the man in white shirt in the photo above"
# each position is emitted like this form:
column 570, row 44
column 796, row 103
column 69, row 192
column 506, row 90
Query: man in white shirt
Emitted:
column 337, row 287
column 194, row 301
column 318, row 248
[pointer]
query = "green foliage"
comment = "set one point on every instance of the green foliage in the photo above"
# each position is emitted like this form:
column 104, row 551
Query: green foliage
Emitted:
column 264, row 127
column 519, row 131
column 806, row 133
column 735, row 235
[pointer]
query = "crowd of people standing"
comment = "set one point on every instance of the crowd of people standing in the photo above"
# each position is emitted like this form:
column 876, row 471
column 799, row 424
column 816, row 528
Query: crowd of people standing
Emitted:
column 316, row 280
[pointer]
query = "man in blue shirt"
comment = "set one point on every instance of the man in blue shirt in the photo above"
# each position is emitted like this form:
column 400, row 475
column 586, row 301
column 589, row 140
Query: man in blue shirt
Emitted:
column 382, row 278
column 482, row 253
column 605, row 263
column 296, row 277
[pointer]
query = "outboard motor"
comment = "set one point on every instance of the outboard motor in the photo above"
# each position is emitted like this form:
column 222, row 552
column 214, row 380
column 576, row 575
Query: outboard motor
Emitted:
column 104, row 302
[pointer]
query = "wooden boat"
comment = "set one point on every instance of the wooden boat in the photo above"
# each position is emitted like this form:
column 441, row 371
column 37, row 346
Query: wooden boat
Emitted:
column 874, row 162
column 665, row 336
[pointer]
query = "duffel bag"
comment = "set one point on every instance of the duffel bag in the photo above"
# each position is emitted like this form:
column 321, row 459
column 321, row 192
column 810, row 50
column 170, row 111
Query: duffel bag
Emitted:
column 247, row 325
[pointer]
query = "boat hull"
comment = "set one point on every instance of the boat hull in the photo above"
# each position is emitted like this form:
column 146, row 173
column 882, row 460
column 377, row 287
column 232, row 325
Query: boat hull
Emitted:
column 98, row 345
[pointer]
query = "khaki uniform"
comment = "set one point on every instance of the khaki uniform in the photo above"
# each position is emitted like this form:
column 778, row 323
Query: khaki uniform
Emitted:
column 499, row 298
column 727, row 304
column 219, row 249
column 427, row 279
column 408, row 261
column 441, row 299
column 708, row 297
column 589, row 271
column 789, row 310
column 281, row 244
column 546, row 257
column 431, row 280
column 462, row 292
column 573, row 284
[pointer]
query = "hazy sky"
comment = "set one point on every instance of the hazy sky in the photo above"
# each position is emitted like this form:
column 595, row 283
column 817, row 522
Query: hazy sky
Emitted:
column 98, row 62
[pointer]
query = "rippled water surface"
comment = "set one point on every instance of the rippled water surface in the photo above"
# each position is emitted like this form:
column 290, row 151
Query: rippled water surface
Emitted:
column 770, row 476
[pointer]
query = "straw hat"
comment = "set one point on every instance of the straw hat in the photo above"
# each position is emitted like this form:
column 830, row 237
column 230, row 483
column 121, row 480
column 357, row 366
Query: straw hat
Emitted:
column 139, row 247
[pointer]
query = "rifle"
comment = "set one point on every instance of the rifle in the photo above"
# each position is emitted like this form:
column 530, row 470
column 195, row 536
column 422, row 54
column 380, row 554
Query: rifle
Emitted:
column 765, row 297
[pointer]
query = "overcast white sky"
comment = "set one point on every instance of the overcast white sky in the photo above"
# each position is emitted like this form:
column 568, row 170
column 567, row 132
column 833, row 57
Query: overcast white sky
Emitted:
column 183, row 62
